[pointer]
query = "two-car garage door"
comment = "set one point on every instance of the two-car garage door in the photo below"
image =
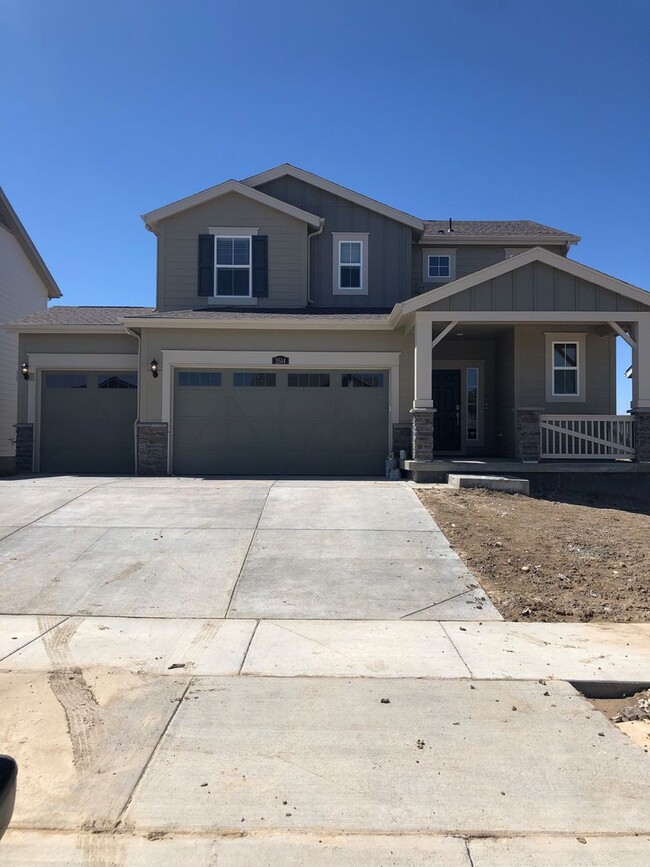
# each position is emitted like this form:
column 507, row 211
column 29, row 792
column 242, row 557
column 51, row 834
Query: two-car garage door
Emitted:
column 280, row 422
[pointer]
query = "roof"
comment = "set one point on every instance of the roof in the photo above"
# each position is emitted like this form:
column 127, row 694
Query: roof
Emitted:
column 275, row 318
column 64, row 317
column 272, row 313
column 232, row 186
column 533, row 254
column 488, row 230
column 9, row 217
column 286, row 169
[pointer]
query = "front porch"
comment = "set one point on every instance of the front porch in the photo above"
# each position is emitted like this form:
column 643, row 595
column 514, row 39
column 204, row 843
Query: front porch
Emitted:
column 503, row 392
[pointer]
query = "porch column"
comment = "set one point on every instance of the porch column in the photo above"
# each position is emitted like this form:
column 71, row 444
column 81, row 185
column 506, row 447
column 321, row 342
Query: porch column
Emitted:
column 527, row 430
column 422, row 412
column 641, row 388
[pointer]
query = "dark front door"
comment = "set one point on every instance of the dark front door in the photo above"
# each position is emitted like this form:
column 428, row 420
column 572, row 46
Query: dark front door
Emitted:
column 446, row 401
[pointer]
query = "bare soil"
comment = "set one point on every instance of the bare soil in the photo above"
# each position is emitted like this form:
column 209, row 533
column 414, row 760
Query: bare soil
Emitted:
column 551, row 561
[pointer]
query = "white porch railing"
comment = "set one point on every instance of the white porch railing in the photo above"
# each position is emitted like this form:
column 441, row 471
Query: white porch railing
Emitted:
column 586, row 437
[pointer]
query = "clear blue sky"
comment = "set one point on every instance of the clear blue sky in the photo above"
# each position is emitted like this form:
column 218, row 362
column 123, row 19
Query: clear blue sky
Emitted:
column 475, row 109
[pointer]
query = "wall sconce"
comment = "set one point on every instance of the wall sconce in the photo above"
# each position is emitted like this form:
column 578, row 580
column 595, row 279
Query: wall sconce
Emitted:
column 154, row 368
column 24, row 369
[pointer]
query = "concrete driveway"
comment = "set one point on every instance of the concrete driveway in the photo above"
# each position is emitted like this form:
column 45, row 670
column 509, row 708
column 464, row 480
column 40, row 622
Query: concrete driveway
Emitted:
column 228, row 548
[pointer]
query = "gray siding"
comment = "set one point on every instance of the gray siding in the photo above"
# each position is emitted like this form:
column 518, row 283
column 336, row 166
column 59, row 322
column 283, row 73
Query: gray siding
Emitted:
column 537, row 286
column 469, row 259
column 177, row 251
column 531, row 371
column 389, row 245
column 504, row 404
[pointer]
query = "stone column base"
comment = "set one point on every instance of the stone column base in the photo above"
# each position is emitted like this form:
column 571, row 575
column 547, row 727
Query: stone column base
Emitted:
column 528, row 436
column 422, row 434
column 24, row 448
column 402, row 439
column 152, row 448
column 641, row 434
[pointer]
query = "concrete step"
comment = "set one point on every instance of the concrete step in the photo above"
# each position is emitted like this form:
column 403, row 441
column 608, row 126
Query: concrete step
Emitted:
column 492, row 483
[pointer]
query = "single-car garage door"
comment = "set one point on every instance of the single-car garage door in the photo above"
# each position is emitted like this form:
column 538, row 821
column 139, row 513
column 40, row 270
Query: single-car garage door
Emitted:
column 87, row 421
column 280, row 422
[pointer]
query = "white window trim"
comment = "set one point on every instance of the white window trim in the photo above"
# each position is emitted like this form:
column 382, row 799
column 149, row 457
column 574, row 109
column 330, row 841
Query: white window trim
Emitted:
column 249, row 267
column 437, row 251
column 343, row 237
column 580, row 339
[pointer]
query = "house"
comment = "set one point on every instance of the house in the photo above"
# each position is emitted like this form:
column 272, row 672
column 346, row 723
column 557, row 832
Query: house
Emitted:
column 303, row 328
column 25, row 287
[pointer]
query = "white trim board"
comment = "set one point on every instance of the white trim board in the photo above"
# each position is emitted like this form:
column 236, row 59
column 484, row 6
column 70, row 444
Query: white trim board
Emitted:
column 151, row 218
column 173, row 358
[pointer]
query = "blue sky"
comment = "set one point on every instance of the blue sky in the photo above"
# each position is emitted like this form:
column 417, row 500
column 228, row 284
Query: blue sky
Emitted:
column 473, row 109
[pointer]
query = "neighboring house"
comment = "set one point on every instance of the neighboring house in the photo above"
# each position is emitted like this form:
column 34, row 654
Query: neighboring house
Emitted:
column 25, row 287
column 303, row 328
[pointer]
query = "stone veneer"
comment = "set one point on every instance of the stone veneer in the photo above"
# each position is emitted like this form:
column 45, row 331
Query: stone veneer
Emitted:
column 152, row 448
column 642, row 434
column 24, row 447
column 422, row 434
column 402, row 439
column 527, row 427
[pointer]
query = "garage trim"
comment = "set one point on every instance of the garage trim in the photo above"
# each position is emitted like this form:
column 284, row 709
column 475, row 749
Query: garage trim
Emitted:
column 65, row 361
column 173, row 358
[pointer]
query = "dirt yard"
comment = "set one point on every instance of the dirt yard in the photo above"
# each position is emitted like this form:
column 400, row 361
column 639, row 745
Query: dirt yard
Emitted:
column 544, row 560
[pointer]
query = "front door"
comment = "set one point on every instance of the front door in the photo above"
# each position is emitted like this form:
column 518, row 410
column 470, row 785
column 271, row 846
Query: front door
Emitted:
column 446, row 402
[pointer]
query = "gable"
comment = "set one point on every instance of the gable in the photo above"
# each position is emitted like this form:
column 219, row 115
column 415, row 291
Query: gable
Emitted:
column 536, row 280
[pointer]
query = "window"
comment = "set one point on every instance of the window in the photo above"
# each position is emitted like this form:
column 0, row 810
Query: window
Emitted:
column 565, row 368
column 117, row 380
column 199, row 379
column 66, row 380
column 349, row 264
column 350, row 257
column 251, row 379
column 362, row 380
column 309, row 380
column 232, row 257
column 472, row 404
column 439, row 266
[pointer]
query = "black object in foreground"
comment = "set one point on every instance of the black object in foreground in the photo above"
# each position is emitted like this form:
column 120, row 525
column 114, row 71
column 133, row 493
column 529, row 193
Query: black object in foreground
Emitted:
column 8, row 774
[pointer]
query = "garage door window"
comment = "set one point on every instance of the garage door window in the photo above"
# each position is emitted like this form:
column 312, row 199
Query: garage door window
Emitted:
column 199, row 379
column 362, row 380
column 66, row 380
column 247, row 378
column 117, row 380
column 309, row 380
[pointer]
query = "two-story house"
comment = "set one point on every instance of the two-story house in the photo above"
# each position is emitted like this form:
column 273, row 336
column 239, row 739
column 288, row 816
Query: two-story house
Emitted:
column 303, row 328
column 26, row 285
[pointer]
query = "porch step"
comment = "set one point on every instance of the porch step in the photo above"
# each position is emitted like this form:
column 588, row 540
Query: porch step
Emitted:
column 492, row 483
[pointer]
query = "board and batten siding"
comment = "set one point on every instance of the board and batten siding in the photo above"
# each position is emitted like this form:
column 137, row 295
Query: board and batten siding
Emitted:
column 21, row 292
column 537, row 286
column 389, row 245
column 178, row 251
column 531, row 370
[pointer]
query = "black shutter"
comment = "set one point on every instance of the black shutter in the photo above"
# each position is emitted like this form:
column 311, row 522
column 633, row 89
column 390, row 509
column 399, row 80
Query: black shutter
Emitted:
column 206, row 265
column 260, row 266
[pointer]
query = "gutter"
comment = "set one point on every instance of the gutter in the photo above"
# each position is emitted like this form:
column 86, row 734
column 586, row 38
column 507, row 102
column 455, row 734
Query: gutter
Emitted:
column 311, row 235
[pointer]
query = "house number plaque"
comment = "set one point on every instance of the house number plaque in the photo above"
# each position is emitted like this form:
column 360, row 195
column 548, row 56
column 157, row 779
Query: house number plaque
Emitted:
column 280, row 359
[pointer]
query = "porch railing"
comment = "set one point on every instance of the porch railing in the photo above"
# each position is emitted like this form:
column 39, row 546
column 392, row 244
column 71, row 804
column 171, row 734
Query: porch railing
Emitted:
column 586, row 437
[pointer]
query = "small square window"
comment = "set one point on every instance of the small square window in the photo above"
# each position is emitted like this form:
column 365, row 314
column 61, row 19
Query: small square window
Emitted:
column 362, row 380
column 439, row 266
column 253, row 379
column 199, row 379
column 308, row 380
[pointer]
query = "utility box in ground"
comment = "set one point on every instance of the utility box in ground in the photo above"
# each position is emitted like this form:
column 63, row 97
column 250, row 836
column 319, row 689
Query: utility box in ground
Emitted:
column 492, row 483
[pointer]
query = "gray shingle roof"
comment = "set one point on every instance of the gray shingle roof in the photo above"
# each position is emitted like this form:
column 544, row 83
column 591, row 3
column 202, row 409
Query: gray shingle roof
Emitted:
column 96, row 316
column 286, row 313
column 490, row 229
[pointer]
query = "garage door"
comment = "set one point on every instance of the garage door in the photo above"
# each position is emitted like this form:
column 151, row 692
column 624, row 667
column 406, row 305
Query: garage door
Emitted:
column 280, row 422
column 87, row 421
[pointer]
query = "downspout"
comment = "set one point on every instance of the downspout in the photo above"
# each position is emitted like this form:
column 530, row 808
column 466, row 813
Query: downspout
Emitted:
column 311, row 235
column 135, row 422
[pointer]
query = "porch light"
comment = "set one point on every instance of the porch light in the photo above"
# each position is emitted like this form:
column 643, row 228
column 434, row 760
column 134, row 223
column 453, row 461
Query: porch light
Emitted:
column 154, row 368
column 24, row 369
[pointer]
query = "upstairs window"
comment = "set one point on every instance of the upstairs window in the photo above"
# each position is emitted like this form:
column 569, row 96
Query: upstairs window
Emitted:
column 350, row 256
column 439, row 266
column 233, row 266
